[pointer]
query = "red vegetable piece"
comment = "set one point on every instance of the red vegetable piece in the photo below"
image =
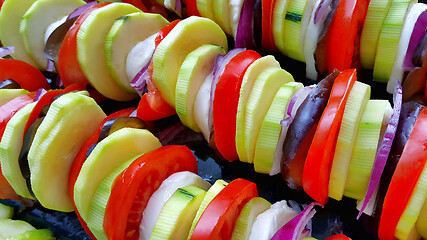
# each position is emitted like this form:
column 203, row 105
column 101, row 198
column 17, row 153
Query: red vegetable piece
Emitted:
column 6, row 191
column 46, row 100
column 405, row 178
column 134, row 187
column 68, row 65
column 192, row 8
column 27, row 76
column 225, row 103
column 219, row 217
column 338, row 237
column 343, row 52
column 267, row 39
column 317, row 166
column 138, row 4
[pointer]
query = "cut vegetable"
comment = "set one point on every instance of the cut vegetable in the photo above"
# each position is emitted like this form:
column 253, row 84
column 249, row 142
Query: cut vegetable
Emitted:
column 10, row 148
column 51, row 152
column 278, row 22
column 317, row 167
column 354, row 108
column 388, row 41
column 178, row 213
column 10, row 228
column 377, row 12
column 268, row 139
column 210, row 195
column 6, row 212
column 422, row 221
column 261, row 96
column 185, row 37
column 251, row 74
column 205, row 8
column 165, row 191
column 195, row 69
column 371, row 129
column 122, row 37
column 8, row 94
column 246, row 219
column 221, row 11
column 108, row 154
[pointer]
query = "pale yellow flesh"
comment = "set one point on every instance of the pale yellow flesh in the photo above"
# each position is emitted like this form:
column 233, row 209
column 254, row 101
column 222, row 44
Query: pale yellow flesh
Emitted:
column 205, row 8
column 10, row 228
column 354, row 108
column 11, row 14
column 422, row 221
column 279, row 14
column 261, row 96
column 253, row 71
column 193, row 72
column 123, row 36
column 91, row 49
column 222, row 15
column 118, row 147
column 71, row 118
column 37, row 19
column 10, row 148
column 185, row 37
column 8, row 94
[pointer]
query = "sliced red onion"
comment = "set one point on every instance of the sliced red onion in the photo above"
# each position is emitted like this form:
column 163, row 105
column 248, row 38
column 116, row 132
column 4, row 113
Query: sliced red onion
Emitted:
column 39, row 94
column 178, row 134
column 322, row 10
column 220, row 63
column 178, row 8
column 139, row 82
column 417, row 35
column 59, row 82
column 4, row 51
column 50, row 66
column 420, row 52
column 384, row 149
column 295, row 229
column 81, row 9
column 245, row 28
column 297, row 99
column 133, row 114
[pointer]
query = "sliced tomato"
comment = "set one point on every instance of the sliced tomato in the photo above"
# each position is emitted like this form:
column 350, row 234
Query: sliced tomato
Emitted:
column 6, row 191
column 154, row 7
column 343, row 35
column 165, row 31
column 68, row 65
column 338, row 237
column 27, row 76
column 81, row 157
column 46, row 99
column 133, row 188
column 318, row 164
column 138, row 4
column 405, row 178
column 267, row 39
column 192, row 8
column 10, row 108
column 219, row 217
column 225, row 103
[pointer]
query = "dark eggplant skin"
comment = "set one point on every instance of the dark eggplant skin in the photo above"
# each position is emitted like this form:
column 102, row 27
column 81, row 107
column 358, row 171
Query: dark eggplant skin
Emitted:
column 306, row 118
column 408, row 115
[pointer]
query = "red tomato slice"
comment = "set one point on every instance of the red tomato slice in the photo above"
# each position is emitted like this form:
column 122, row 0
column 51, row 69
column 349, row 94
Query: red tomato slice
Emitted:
column 267, row 39
column 405, row 177
column 27, row 76
column 46, row 100
column 338, row 237
column 225, row 103
column 318, row 164
column 6, row 191
column 165, row 31
column 134, row 187
column 10, row 108
column 68, row 65
column 192, row 8
column 81, row 157
column 138, row 4
column 343, row 52
column 219, row 217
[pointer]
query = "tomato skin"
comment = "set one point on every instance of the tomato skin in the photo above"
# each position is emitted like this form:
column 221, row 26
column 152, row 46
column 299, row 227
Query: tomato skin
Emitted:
column 68, row 64
column 318, row 164
column 267, row 39
column 226, row 100
column 27, row 76
column 133, row 188
column 347, row 21
column 338, row 237
column 137, row 3
column 219, row 217
column 405, row 178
